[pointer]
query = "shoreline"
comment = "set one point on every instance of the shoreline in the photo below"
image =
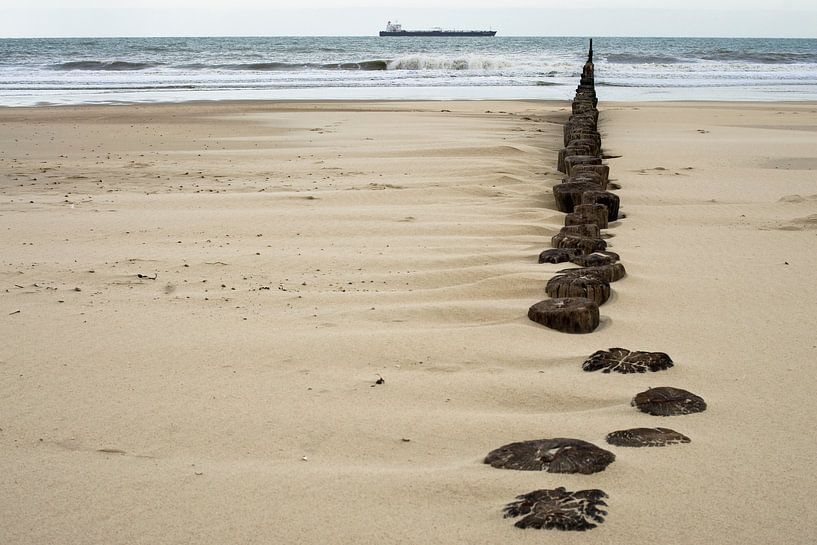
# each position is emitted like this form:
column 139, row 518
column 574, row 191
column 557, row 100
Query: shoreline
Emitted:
column 255, row 103
column 548, row 93
column 199, row 298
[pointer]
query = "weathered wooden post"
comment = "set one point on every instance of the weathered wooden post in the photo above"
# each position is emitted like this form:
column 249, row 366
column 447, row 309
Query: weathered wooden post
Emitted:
column 566, row 314
column 579, row 285
column 610, row 200
column 569, row 194
column 577, row 293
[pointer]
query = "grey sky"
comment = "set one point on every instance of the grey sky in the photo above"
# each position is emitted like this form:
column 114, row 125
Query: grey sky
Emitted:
column 35, row 18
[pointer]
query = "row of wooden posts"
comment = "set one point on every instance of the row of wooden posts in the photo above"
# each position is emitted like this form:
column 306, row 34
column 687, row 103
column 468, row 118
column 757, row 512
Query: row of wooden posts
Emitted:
column 576, row 293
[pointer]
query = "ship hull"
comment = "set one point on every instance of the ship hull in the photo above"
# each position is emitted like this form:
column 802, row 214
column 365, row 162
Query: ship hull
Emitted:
column 432, row 33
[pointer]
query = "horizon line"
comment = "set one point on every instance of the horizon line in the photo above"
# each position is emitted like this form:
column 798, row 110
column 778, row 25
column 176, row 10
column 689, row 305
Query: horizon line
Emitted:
column 586, row 36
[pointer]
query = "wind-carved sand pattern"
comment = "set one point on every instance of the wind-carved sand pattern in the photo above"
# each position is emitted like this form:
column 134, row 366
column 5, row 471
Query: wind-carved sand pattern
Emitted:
column 646, row 437
column 558, row 509
column 558, row 455
column 621, row 360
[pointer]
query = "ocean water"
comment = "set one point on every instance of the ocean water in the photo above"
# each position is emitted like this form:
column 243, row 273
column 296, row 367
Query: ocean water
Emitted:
column 113, row 70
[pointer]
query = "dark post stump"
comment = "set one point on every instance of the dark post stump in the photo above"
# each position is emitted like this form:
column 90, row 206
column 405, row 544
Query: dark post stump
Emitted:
column 587, row 245
column 668, row 401
column 571, row 161
column 646, row 437
column 595, row 212
column 595, row 259
column 625, row 361
column 581, row 142
column 581, row 230
column 603, row 171
column 610, row 200
column 557, row 455
column 558, row 255
column 559, row 509
column 568, row 315
column 581, row 132
column 612, row 272
column 577, row 285
column 591, row 177
column 570, row 194
column 582, row 107
column 574, row 151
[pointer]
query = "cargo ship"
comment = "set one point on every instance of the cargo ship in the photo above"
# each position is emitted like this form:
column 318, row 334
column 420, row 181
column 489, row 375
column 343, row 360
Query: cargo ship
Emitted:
column 396, row 29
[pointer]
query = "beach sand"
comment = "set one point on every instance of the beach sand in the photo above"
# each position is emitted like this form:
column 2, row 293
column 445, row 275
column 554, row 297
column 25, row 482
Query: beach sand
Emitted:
column 196, row 302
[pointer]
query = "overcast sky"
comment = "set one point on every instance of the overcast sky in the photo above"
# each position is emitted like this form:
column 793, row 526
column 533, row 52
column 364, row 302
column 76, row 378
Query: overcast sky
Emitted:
column 754, row 18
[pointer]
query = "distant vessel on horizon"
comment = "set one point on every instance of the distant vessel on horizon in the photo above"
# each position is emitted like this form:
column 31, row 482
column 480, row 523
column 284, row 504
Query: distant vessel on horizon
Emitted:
column 396, row 29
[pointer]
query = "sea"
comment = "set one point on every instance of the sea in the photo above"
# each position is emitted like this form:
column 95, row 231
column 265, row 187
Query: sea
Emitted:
column 58, row 71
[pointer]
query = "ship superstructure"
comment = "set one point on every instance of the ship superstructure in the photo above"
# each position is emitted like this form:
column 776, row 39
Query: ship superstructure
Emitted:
column 396, row 29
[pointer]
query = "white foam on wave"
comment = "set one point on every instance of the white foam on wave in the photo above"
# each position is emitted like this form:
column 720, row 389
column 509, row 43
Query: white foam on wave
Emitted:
column 422, row 62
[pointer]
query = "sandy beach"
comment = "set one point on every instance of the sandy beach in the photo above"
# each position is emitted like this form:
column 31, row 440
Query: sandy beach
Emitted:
column 198, row 299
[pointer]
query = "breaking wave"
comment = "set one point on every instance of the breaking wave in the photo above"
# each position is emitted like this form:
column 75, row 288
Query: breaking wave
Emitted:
column 289, row 66
column 402, row 63
column 447, row 63
column 116, row 66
